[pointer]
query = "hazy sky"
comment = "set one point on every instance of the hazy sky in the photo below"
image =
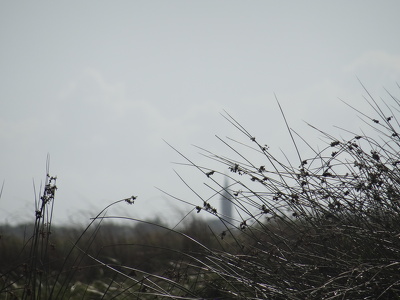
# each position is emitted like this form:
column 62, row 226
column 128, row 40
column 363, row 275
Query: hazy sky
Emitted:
column 100, row 84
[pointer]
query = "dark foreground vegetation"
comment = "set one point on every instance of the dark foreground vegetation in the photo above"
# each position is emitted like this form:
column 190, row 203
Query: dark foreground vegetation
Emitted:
column 325, row 226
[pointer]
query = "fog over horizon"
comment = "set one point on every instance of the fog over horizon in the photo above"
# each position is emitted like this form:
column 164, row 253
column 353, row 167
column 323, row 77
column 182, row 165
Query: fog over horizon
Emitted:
column 101, row 87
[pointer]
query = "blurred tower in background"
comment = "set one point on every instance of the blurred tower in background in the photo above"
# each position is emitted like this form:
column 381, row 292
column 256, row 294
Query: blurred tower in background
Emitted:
column 226, row 203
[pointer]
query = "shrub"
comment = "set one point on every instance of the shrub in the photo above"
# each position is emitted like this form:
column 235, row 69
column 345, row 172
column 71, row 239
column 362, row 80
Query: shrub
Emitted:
column 326, row 227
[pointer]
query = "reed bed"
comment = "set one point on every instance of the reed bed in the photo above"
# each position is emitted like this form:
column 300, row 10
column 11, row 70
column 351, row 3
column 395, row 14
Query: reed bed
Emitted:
column 322, row 226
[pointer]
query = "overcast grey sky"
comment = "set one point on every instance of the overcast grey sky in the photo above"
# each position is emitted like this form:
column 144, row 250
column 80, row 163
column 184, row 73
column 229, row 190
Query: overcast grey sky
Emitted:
column 100, row 84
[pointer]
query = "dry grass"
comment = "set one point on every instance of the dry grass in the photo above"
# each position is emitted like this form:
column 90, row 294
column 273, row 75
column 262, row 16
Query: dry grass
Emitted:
column 322, row 227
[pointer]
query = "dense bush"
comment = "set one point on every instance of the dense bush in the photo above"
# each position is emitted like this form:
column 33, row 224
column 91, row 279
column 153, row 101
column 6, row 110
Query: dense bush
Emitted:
column 325, row 227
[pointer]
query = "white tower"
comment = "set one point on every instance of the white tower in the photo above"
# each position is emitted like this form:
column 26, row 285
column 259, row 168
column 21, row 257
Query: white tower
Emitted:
column 226, row 203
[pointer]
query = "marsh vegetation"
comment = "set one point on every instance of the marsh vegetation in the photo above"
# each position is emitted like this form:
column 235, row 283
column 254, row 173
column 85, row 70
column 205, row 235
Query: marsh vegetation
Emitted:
column 324, row 226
